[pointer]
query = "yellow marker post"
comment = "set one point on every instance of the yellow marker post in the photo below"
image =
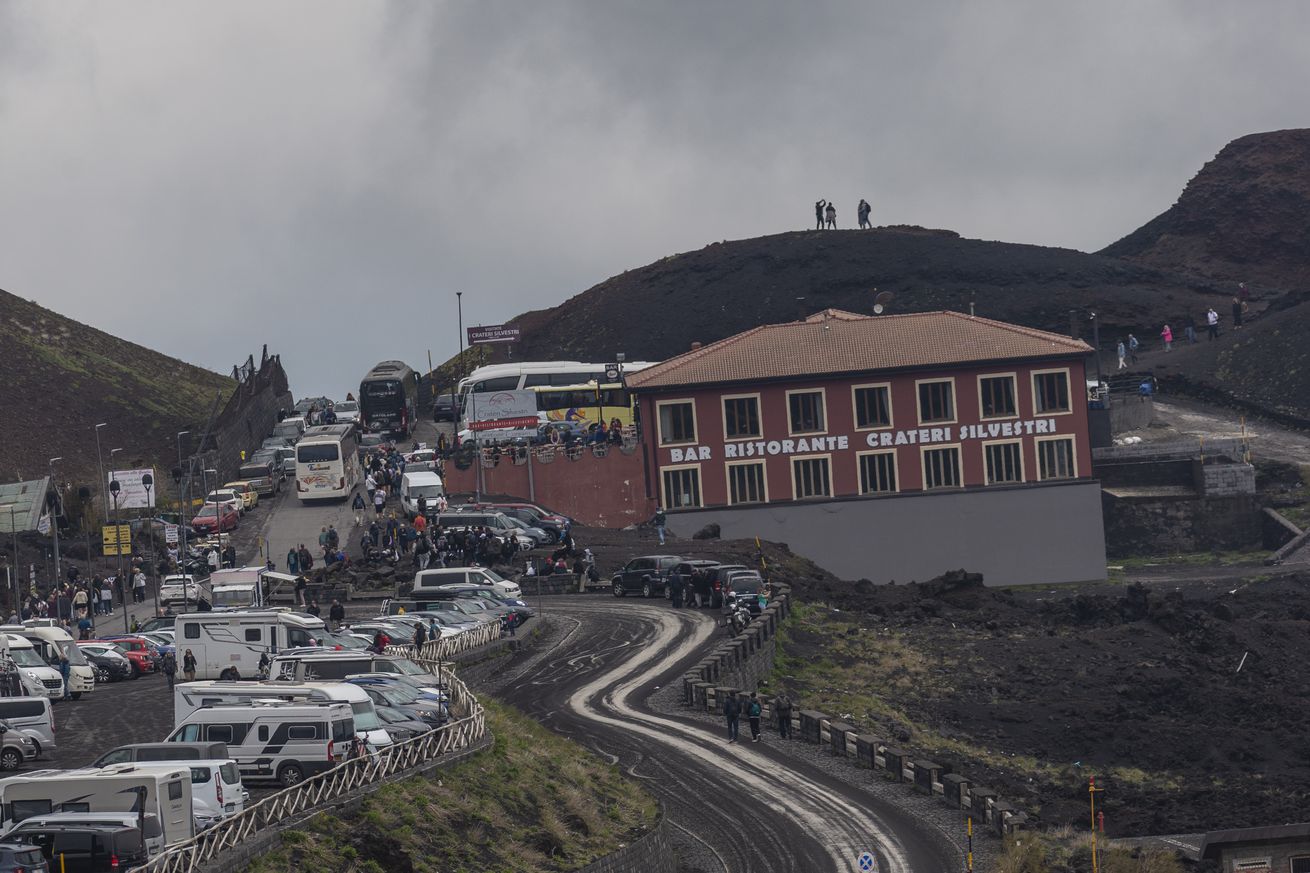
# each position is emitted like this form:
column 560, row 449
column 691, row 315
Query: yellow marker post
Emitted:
column 969, row 830
column 1091, row 796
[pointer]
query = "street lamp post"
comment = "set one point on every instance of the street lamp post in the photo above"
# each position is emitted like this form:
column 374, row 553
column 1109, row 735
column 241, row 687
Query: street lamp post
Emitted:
column 218, row 512
column 13, row 572
column 54, row 518
column 182, row 508
column 114, row 488
column 148, row 482
column 100, row 464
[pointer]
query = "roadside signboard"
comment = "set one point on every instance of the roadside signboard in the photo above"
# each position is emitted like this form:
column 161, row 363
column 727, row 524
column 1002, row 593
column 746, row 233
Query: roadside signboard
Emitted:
column 492, row 333
column 133, row 494
column 612, row 372
column 170, row 534
column 503, row 410
column 117, row 540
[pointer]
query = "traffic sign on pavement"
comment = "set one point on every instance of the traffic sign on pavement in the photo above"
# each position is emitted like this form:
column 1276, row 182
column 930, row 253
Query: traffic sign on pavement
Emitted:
column 867, row 863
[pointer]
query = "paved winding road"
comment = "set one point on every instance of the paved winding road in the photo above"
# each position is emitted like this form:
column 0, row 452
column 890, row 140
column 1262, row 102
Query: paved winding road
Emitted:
column 752, row 807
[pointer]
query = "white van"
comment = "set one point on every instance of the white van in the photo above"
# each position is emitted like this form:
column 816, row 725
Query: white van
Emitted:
column 289, row 428
column 219, row 640
column 275, row 741
column 329, row 666
column 237, row 588
column 416, row 485
column 166, row 792
column 428, row 581
column 216, row 789
column 51, row 641
column 33, row 717
column 190, row 696
column 39, row 678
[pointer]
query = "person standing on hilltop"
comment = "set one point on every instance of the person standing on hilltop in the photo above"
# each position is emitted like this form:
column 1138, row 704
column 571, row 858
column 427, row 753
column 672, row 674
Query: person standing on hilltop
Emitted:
column 1238, row 306
column 818, row 214
column 1167, row 335
column 831, row 212
column 863, row 213
column 1212, row 322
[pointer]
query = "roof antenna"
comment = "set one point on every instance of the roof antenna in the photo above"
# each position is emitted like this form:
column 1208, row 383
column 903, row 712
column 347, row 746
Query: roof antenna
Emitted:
column 972, row 295
column 880, row 301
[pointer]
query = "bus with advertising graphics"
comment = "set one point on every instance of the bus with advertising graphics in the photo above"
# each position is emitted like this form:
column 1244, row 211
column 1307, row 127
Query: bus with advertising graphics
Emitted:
column 327, row 462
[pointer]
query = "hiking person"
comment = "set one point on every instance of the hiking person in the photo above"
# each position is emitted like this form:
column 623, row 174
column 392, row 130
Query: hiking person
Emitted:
column 818, row 214
column 189, row 666
column 732, row 712
column 65, row 670
column 1123, row 353
column 379, row 501
column 1212, row 322
column 1189, row 330
column 753, row 712
column 1168, row 336
column 301, row 584
column 659, row 520
column 358, row 506
column 420, row 637
column 293, row 562
column 1133, row 345
column 782, row 713
column 337, row 613
column 169, row 666
column 831, row 213
column 1238, row 307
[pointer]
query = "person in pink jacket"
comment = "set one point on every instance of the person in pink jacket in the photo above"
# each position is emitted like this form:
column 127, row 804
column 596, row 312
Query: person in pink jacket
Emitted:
column 1168, row 336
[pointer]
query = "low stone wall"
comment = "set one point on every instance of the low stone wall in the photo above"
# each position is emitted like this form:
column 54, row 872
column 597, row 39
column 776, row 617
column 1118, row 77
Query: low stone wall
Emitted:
column 1149, row 525
column 650, row 853
column 736, row 667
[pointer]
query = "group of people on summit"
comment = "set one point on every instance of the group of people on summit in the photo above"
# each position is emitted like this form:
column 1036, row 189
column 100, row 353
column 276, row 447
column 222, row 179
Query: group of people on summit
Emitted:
column 825, row 215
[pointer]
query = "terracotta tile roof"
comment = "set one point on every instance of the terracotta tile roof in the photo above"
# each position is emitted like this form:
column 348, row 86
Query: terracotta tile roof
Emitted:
column 833, row 342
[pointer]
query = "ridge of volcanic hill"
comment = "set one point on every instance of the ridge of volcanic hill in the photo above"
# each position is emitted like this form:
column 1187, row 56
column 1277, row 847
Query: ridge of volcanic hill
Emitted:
column 656, row 311
column 62, row 377
column 1241, row 218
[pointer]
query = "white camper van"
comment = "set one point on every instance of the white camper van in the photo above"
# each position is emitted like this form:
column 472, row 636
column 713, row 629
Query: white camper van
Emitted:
column 39, row 678
column 239, row 588
column 216, row 789
column 162, row 792
column 219, row 640
column 51, row 641
column 190, row 696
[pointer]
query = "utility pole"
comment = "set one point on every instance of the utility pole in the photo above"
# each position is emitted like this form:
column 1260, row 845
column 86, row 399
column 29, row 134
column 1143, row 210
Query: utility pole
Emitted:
column 114, row 489
column 148, row 482
column 54, row 517
column 182, row 493
column 100, row 464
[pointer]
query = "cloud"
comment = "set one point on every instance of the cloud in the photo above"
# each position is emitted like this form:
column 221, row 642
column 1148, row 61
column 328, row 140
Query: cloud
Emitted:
column 323, row 176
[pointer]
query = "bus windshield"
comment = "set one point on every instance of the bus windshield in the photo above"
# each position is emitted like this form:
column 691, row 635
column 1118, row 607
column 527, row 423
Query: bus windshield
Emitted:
column 318, row 453
column 381, row 388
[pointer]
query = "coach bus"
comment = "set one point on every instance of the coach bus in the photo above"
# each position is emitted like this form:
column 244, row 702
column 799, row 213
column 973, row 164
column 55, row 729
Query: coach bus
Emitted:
column 388, row 398
column 572, row 378
column 327, row 462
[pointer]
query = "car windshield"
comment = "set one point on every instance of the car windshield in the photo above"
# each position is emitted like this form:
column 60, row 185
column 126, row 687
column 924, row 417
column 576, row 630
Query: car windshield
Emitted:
column 492, row 575
column 72, row 652
column 27, row 658
column 347, row 406
column 395, row 696
column 365, row 718
column 409, row 668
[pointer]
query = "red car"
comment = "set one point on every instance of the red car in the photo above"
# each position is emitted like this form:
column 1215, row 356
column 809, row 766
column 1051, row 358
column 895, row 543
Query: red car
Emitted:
column 215, row 518
column 138, row 650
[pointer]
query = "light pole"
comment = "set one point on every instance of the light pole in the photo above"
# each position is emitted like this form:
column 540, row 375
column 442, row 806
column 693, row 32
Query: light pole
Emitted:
column 54, row 517
column 148, row 482
column 218, row 512
column 100, row 463
column 114, row 488
column 181, row 505
column 13, row 572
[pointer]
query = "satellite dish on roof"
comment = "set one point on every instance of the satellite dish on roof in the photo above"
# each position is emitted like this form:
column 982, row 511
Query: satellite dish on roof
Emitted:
column 881, row 300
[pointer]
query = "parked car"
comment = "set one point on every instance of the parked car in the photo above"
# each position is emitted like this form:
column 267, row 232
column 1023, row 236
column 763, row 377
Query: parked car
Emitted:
column 138, row 650
column 529, row 536
column 179, row 588
column 162, row 641
column 686, row 571
column 277, row 458
column 346, row 411
column 90, row 848
column 22, row 858
column 246, row 491
column 443, row 408
column 717, row 575
column 213, row 518
column 399, row 724
column 370, row 443
column 647, row 575
column 15, row 747
column 277, row 442
column 265, row 476
column 226, row 497
column 109, row 662
column 743, row 586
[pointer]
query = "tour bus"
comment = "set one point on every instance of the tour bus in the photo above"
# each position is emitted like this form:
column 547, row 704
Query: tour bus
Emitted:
column 388, row 398
column 190, row 696
column 51, row 641
column 573, row 375
column 586, row 404
column 327, row 462
column 164, row 792
column 219, row 640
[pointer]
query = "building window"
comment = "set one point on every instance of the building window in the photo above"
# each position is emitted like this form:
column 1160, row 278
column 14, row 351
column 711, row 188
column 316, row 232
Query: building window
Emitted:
column 677, row 422
column 941, row 467
column 682, row 487
column 873, row 406
column 1055, row 458
column 746, row 483
column 937, row 401
column 877, row 472
column 741, row 417
column 996, row 395
column 1051, row 392
column 1301, row 865
column 1004, row 462
column 806, row 410
column 810, row 477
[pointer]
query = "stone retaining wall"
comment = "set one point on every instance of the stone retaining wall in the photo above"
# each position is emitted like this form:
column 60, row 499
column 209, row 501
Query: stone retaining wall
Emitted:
column 736, row 667
column 650, row 853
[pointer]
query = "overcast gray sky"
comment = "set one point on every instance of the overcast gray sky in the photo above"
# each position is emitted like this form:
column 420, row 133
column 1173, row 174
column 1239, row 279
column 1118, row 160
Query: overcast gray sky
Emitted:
column 323, row 176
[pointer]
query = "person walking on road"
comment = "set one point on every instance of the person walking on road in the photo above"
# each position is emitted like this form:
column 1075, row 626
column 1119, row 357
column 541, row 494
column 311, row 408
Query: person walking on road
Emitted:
column 189, row 666
column 818, row 214
column 1133, row 345
column 169, row 666
column 782, row 712
column 753, row 712
column 659, row 521
column 65, row 671
column 1123, row 355
column 293, row 562
column 732, row 712
column 337, row 613
column 1212, row 322
column 358, row 505
column 379, row 501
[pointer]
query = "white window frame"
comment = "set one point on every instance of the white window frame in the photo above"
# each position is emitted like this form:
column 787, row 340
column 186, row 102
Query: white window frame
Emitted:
column 896, row 469
column 855, row 407
column 791, row 467
column 1073, row 451
column 1023, row 472
column 955, row 401
column 759, row 416
column 1014, row 383
column 700, row 481
column 923, row 466
column 727, row 479
column 823, row 403
column 695, row 422
column 1068, row 384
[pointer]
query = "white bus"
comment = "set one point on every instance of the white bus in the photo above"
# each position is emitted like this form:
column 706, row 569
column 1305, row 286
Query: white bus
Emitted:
column 535, row 374
column 327, row 462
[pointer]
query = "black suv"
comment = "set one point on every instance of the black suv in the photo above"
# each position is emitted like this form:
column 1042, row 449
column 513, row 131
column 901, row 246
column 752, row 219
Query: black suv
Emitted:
column 648, row 575
column 85, row 848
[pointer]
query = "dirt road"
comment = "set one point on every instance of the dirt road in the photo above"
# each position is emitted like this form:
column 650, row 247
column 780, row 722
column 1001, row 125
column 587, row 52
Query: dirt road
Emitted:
column 747, row 807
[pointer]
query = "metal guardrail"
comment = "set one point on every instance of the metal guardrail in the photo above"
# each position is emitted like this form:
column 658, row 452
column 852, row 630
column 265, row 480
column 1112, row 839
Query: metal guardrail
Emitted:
column 441, row 650
column 331, row 785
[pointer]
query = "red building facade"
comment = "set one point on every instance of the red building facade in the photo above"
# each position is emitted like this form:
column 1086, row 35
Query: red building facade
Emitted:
column 846, row 406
